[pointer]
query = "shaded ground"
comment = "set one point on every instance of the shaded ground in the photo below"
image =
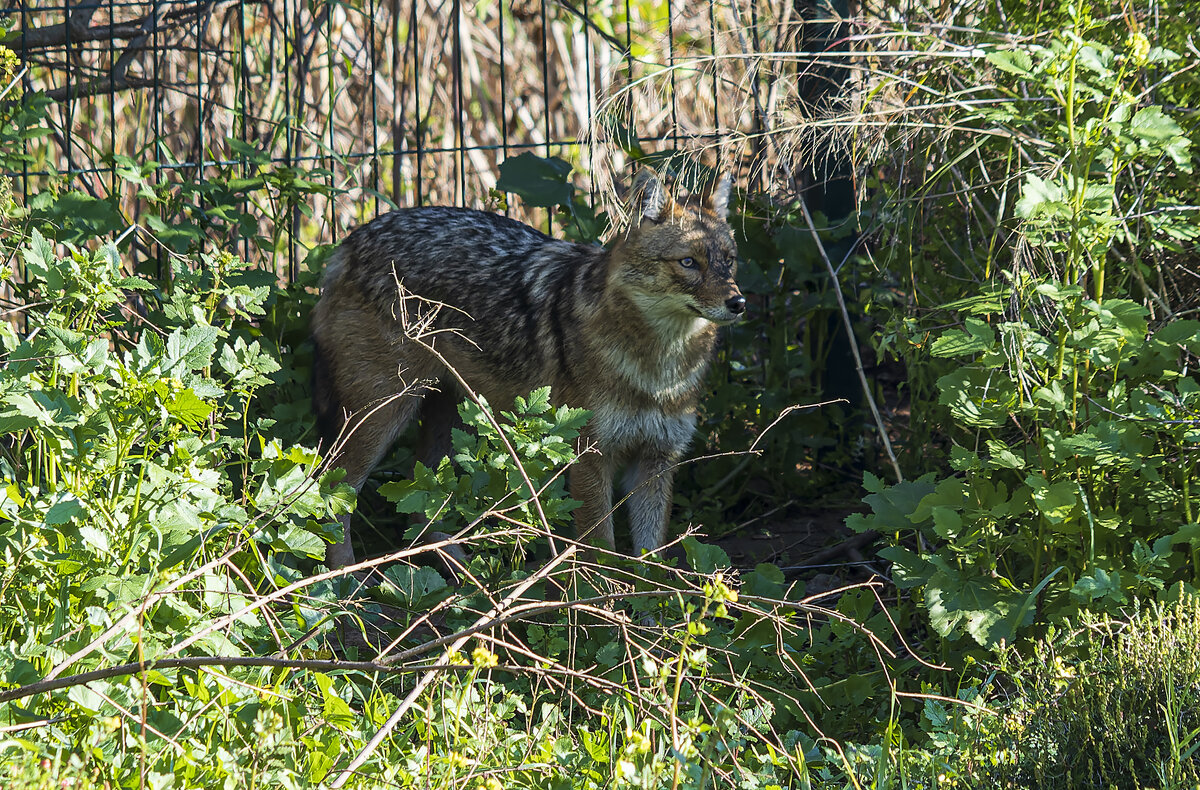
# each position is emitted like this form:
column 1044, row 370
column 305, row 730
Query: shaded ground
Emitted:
column 813, row 546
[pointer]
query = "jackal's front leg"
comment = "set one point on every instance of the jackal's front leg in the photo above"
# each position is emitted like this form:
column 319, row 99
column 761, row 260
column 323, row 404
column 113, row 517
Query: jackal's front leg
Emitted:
column 592, row 485
column 649, row 501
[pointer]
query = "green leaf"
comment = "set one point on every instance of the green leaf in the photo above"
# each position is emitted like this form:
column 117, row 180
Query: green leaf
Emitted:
column 892, row 507
column 184, row 405
column 1055, row 501
column 299, row 541
column 334, row 709
column 1039, row 197
column 1022, row 616
column 539, row 181
column 978, row 398
column 1002, row 457
column 85, row 698
column 41, row 263
column 1013, row 61
column 81, row 217
column 409, row 496
column 909, row 569
column 1099, row 585
column 1150, row 123
column 970, row 604
column 705, row 558
column 765, row 581
column 964, row 460
column 191, row 349
column 947, row 522
column 977, row 338
column 1188, row 534
column 1053, row 395
column 95, row 537
column 1184, row 332
column 410, row 587
column 539, row 401
column 989, row 303
column 65, row 508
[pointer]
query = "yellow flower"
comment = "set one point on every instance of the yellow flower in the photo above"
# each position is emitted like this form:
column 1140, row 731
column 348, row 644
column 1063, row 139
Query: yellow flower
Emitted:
column 718, row 591
column 483, row 658
column 1139, row 48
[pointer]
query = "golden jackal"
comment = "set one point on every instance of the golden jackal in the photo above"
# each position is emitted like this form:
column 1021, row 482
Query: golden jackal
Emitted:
column 626, row 332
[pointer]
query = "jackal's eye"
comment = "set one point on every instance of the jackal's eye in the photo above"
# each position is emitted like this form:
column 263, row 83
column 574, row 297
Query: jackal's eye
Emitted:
column 688, row 263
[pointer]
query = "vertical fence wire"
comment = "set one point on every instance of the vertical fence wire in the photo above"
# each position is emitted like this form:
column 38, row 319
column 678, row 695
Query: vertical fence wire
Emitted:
column 418, row 119
column 503, row 85
column 375, row 160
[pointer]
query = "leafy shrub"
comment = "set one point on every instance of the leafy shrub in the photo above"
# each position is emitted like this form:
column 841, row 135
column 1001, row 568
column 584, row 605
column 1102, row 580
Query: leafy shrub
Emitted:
column 1069, row 413
column 157, row 626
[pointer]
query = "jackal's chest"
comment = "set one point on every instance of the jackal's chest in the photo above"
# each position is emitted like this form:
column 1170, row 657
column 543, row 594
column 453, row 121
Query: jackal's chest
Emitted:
column 669, row 380
column 621, row 431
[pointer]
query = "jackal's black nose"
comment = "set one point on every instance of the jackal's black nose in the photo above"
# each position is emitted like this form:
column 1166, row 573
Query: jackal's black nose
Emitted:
column 736, row 304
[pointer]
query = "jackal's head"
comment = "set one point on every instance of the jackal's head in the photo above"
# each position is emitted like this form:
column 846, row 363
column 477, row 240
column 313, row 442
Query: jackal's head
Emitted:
column 677, row 260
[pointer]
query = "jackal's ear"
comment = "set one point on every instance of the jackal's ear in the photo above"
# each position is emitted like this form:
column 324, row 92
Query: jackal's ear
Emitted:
column 718, row 201
column 649, row 196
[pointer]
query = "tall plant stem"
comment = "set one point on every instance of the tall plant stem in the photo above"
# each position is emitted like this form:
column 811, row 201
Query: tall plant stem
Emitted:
column 862, row 375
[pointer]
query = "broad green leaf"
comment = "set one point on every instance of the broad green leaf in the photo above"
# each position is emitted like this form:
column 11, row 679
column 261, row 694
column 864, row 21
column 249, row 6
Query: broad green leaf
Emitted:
column 978, row 398
column 765, row 581
column 40, row 261
column 184, row 405
column 65, row 508
column 539, row 181
column 909, row 569
column 1188, row 534
column 1099, row 584
column 704, row 557
column 189, row 350
column 1022, row 616
column 947, row 522
column 95, row 537
column 1052, row 394
column 989, row 303
column 1097, row 59
column 300, row 542
column 1055, row 501
column 1039, row 197
column 975, row 338
column 1151, row 123
column 334, row 709
column 408, row 586
column 1013, row 61
column 85, row 698
column 968, row 603
column 1002, row 457
column 409, row 496
column 893, row 506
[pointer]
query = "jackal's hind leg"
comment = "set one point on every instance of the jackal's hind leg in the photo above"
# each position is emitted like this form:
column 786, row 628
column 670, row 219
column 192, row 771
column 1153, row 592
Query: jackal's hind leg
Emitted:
column 366, row 437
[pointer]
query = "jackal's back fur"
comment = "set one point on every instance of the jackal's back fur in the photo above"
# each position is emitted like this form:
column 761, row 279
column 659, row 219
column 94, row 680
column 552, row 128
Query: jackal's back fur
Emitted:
column 626, row 332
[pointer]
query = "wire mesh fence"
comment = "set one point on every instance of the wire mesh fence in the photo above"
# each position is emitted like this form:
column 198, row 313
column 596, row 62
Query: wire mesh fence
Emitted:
column 341, row 109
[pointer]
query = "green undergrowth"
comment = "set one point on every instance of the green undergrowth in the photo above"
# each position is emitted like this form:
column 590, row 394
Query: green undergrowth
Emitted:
column 1111, row 703
column 166, row 620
